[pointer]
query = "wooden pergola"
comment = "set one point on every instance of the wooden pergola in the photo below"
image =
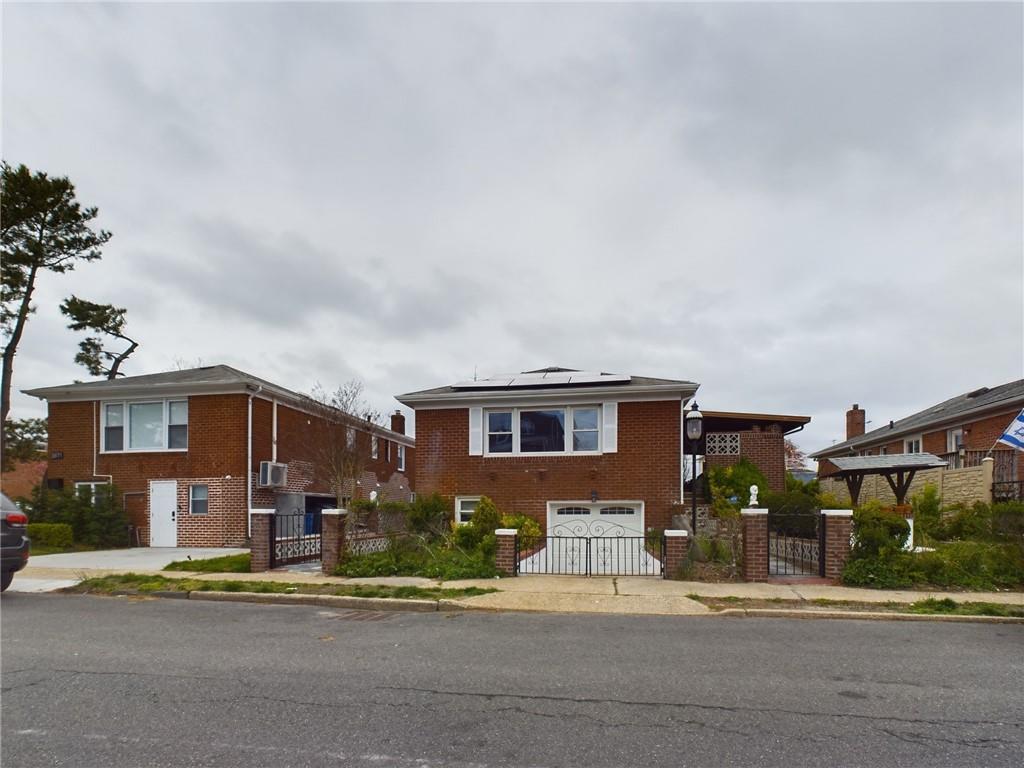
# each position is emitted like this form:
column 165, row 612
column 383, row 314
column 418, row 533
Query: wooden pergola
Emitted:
column 898, row 469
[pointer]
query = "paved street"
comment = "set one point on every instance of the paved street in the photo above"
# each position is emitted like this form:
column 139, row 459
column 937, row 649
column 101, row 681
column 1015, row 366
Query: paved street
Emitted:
column 93, row 681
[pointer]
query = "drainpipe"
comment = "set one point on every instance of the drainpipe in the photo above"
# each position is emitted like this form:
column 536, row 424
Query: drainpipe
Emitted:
column 248, row 466
column 96, row 447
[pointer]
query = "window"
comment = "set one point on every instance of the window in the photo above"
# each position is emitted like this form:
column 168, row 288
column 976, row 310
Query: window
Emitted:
column 350, row 438
column 55, row 483
column 883, row 451
column 387, row 451
column 618, row 511
column 954, row 439
column 572, row 511
column 401, row 458
column 159, row 425
column 543, row 430
column 198, row 499
column 374, row 447
column 584, row 429
column 92, row 491
column 499, row 432
column 465, row 506
column 912, row 445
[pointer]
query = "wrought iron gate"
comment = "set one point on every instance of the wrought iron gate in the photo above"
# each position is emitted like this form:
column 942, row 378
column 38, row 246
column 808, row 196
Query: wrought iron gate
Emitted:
column 795, row 544
column 295, row 537
column 591, row 556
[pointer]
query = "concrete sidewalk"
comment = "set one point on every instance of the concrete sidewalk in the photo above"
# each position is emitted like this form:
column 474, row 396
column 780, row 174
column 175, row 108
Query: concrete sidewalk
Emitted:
column 563, row 594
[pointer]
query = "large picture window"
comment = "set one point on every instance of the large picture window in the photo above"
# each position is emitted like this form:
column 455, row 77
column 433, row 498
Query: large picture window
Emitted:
column 159, row 425
column 575, row 429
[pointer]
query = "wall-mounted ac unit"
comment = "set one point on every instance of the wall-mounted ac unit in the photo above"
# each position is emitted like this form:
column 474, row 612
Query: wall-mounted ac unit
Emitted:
column 273, row 475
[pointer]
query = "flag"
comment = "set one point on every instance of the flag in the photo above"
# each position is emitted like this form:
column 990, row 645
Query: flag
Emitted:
column 1014, row 434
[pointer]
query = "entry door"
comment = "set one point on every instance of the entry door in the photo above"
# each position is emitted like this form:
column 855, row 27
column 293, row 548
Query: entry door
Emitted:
column 163, row 513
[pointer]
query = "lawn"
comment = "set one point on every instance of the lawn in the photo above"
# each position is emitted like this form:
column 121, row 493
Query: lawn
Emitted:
column 225, row 564
column 928, row 606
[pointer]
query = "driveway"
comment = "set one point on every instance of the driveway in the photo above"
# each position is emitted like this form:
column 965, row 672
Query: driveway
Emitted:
column 48, row 572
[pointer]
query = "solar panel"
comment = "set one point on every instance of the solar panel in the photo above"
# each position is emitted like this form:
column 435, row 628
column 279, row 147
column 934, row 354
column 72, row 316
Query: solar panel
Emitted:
column 585, row 377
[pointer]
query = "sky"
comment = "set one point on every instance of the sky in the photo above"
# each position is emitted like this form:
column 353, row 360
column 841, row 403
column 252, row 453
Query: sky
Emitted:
column 799, row 206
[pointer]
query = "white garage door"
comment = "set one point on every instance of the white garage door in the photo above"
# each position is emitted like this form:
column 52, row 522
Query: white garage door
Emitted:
column 593, row 539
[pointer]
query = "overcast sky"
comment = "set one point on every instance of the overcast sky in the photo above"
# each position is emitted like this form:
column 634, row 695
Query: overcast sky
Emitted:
column 798, row 206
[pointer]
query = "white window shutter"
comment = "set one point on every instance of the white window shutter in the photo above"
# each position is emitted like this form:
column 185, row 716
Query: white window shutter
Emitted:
column 610, row 438
column 476, row 431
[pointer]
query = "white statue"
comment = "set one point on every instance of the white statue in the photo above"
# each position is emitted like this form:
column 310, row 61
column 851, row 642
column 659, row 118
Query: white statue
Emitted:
column 753, row 496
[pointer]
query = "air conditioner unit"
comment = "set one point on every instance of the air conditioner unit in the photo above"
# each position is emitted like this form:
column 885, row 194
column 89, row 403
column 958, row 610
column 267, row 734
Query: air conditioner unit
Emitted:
column 273, row 475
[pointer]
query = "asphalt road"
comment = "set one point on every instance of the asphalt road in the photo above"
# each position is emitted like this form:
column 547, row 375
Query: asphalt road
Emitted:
column 117, row 682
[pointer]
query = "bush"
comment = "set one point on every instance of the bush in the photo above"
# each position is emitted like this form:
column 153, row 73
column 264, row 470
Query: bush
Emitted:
column 428, row 515
column 927, row 509
column 963, row 521
column 966, row 564
column 485, row 521
column 796, row 485
column 409, row 558
column 1008, row 519
column 51, row 535
column 877, row 532
column 730, row 486
column 529, row 530
column 98, row 521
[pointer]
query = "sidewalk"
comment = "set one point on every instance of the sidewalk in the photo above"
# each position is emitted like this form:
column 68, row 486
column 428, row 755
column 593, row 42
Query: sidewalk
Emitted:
column 563, row 594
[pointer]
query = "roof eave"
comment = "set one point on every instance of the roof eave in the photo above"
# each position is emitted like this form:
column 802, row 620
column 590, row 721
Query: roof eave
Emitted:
column 412, row 399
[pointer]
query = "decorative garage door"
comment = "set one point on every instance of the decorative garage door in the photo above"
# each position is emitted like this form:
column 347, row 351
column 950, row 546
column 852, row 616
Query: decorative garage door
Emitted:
column 592, row 539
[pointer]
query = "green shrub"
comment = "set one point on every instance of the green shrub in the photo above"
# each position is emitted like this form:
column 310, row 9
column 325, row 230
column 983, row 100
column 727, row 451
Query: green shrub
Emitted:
column 796, row 485
column 99, row 521
column 927, row 507
column 963, row 521
column 712, row 550
column 877, row 532
column 529, row 529
column 730, row 486
column 486, row 518
column 51, row 535
column 965, row 564
column 415, row 559
column 428, row 515
column 1008, row 519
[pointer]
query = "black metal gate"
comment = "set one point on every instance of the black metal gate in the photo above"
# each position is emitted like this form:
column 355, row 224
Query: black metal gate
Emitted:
column 295, row 537
column 591, row 556
column 795, row 544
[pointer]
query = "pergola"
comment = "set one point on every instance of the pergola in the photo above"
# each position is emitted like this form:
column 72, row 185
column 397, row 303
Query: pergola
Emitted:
column 898, row 469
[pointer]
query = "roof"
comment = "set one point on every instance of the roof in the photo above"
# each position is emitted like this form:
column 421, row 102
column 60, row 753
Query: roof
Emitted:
column 548, row 381
column 716, row 421
column 873, row 465
column 967, row 404
column 210, row 379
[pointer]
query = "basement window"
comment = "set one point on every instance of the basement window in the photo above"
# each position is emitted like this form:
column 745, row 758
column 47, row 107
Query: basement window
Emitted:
column 465, row 506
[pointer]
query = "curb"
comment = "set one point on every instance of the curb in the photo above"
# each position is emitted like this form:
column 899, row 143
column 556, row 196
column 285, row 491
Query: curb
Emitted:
column 329, row 601
column 783, row 613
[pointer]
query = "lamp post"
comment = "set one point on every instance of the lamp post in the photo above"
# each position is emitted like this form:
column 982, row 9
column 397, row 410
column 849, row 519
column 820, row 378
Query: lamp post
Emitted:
column 694, row 430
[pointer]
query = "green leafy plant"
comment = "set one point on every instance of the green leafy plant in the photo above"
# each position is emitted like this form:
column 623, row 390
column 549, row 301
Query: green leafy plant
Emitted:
column 927, row 507
column 96, row 519
column 528, row 528
column 877, row 532
column 730, row 486
column 50, row 535
column 428, row 515
column 227, row 564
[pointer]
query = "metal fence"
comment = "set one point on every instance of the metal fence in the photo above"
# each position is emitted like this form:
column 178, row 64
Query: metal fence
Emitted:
column 591, row 556
column 295, row 537
column 1011, row 490
column 795, row 544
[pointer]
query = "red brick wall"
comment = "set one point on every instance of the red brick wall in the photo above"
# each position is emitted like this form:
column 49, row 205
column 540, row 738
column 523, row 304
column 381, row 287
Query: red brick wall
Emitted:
column 646, row 466
column 766, row 450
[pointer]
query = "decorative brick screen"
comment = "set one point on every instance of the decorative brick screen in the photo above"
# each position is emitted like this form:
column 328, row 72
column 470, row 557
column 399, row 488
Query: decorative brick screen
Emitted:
column 723, row 444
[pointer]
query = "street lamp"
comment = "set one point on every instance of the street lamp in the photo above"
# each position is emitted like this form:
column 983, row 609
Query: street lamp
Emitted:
column 694, row 430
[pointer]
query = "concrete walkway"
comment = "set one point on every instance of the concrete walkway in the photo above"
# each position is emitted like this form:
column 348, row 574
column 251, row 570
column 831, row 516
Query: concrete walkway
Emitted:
column 563, row 594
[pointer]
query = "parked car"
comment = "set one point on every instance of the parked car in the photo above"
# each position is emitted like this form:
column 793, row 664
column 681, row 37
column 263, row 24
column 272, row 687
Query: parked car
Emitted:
column 14, row 542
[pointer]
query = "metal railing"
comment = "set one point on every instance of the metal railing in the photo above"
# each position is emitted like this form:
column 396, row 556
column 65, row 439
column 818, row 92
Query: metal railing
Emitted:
column 1008, row 490
column 795, row 544
column 294, row 537
column 591, row 556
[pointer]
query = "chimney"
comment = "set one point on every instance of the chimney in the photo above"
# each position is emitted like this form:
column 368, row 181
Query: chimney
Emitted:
column 854, row 422
column 398, row 422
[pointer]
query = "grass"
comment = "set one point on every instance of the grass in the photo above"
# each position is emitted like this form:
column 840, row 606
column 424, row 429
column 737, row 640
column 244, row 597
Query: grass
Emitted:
column 944, row 606
column 225, row 564
column 38, row 550
column 142, row 583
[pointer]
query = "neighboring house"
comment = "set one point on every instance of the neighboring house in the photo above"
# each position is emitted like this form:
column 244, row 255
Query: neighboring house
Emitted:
column 192, row 451
column 962, row 431
column 23, row 477
column 594, row 453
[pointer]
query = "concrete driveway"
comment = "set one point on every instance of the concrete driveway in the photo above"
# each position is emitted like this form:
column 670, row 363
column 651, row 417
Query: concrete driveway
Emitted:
column 46, row 573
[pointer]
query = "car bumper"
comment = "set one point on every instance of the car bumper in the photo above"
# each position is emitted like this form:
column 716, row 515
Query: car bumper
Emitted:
column 15, row 558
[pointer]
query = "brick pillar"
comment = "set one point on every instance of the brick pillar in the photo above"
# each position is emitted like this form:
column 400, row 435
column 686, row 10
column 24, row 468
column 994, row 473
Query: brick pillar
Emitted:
column 505, row 557
column 260, row 521
column 677, row 545
column 755, row 544
column 988, row 476
column 332, row 539
column 838, row 527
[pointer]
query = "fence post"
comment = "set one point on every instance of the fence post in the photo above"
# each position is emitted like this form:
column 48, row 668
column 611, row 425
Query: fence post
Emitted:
column 988, row 476
column 676, row 546
column 838, row 530
column 260, row 522
column 332, row 542
column 755, row 544
column 505, row 556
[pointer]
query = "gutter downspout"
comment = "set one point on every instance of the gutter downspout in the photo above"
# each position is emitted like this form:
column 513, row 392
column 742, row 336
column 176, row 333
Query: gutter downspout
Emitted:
column 96, row 447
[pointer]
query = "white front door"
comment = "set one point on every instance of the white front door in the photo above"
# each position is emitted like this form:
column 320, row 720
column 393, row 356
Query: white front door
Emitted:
column 163, row 513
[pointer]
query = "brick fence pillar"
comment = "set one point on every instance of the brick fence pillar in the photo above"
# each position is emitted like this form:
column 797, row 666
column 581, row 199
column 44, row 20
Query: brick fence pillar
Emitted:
column 755, row 544
column 260, row 521
column 838, row 528
column 677, row 545
column 332, row 539
column 505, row 557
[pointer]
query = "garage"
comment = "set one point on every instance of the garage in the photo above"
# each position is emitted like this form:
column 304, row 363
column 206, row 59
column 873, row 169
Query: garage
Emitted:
column 586, row 538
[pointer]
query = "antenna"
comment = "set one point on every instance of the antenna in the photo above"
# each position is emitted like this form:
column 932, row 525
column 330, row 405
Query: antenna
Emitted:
column 474, row 373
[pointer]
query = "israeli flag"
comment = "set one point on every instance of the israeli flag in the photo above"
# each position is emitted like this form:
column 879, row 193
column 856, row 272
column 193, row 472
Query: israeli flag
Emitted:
column 1014, row 434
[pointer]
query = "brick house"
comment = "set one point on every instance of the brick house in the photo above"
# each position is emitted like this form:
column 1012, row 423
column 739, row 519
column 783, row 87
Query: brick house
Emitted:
column 595, row 451
column 962, row 430
column 192, row 451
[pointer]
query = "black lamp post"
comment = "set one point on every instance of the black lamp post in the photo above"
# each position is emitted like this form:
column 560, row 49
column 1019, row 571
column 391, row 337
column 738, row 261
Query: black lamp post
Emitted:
column 694, row 430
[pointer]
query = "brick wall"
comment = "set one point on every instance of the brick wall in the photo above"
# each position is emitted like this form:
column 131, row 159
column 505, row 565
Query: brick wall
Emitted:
column 646, row 466
column 765, row 449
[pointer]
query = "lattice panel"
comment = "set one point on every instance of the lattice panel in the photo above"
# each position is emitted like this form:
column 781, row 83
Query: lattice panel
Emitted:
column 723, row 444
column 365, row 546
column 290, row 549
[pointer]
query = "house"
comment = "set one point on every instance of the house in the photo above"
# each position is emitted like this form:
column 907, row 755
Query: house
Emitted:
column 193, row 450
column 596, row 454
column 962, row 431
column 19, row 481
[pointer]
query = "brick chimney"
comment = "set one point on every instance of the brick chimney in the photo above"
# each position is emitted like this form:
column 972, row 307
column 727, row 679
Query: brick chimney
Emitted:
column 854, row 422
column 398, row 422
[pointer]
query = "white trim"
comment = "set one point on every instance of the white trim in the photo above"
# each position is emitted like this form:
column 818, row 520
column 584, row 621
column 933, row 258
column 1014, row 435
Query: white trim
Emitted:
column 400, row 464
column 918, row 438
column 192, row 500
column 273, row 439
column 374, row 447
column 570, row 395
column 264, row 511
column 837, row 512
column 126, row 424
column 608, row 419
column 476, row 440
column 676, row 534
column 174, row 517
column 336, row 512
column 506, row 532
column 458, row 507
column 752, row 512
column 515, row 412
